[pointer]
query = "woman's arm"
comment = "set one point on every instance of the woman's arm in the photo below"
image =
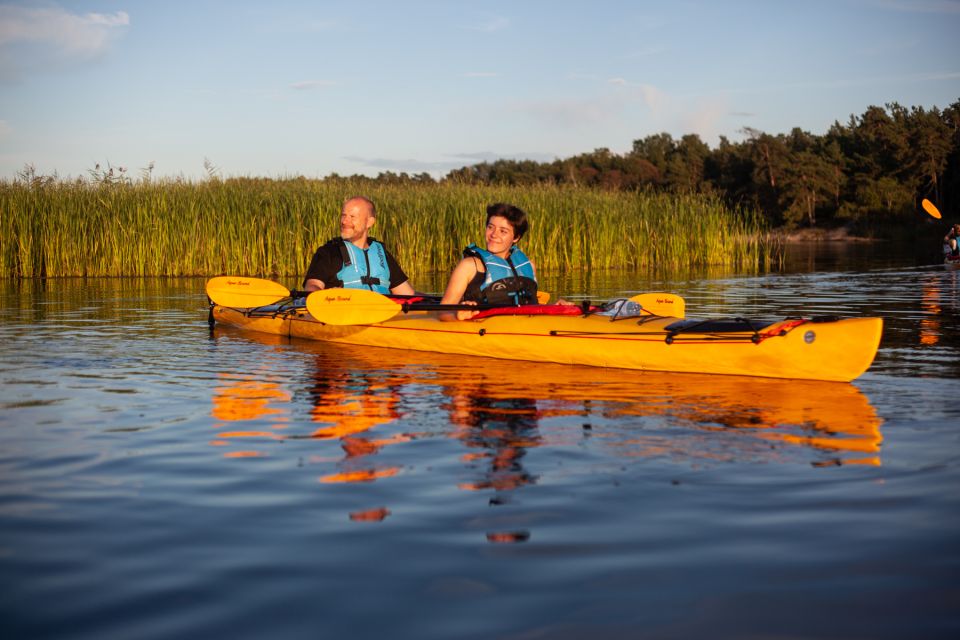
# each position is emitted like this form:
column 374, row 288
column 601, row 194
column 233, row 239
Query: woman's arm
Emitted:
column 462, row 274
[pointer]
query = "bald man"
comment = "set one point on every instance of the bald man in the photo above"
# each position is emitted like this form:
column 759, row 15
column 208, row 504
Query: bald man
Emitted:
column 355, row 260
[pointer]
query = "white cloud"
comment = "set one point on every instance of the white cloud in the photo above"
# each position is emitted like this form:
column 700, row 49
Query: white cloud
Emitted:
column 306, row 85
column 38, row 39
column 70, row 33
column 441, row 167
column 572, row 113
column 409, row 165
column 490, row 156
column 603, row 107
column 640, row 105
column 705, row 118
column 496, row 23
column 119, row 19
column 655, row 99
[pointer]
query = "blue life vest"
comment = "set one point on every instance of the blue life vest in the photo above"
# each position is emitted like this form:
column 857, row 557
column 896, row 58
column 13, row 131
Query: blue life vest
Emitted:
column 364, row 268
column 507, row 282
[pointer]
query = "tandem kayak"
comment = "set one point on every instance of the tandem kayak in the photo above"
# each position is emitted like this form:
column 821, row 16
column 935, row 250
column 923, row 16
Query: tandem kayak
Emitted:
column 824, row 348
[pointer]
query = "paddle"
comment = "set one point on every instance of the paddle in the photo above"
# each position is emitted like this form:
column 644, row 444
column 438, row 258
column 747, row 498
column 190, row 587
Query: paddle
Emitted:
column 351, row 306
column 362, row 306
column 930, row 208
column 661, row 304
column 244, row 293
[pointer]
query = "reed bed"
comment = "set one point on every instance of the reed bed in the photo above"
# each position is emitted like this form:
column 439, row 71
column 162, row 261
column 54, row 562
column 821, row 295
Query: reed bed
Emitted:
column 270, row 228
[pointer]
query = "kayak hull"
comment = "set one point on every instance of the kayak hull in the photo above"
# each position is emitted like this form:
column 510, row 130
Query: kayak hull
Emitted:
column 834, row 350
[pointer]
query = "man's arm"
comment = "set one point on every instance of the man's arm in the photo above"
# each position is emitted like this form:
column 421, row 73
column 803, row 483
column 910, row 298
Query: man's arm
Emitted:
column 323, row 268
column 313, row 284
column 399, row 283
column 402, row 289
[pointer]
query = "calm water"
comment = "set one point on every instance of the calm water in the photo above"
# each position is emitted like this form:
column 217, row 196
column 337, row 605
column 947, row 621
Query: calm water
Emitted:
column 160, row 481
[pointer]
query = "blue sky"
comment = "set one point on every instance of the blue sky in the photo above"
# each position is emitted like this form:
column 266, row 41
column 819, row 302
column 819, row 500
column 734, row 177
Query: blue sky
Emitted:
column 281, row 88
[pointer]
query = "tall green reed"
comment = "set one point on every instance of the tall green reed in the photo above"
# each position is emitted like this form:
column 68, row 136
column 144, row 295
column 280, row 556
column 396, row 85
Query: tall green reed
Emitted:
column 267, row 227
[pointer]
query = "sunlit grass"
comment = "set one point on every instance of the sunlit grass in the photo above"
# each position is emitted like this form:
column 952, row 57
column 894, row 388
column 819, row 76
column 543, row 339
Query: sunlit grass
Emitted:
column 270, row 228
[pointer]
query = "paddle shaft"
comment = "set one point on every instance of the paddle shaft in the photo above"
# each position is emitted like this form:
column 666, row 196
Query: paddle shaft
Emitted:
column 437, row 306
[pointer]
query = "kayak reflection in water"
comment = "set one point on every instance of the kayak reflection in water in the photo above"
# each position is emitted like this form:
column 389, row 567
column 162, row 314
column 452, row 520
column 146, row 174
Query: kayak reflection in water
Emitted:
column 498, row 431
column 351, row 402
column 257, row 398
column 509, row 424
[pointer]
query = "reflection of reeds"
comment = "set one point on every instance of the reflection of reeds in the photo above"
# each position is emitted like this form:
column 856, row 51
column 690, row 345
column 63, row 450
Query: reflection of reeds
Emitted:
column 271, row 227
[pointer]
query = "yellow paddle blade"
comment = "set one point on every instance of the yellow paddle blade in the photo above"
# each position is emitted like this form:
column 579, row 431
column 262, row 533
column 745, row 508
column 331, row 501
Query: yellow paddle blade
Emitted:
column 351, row 306
column 661, row 304
column 243, row 293
column 543, row 297
column 930, row 208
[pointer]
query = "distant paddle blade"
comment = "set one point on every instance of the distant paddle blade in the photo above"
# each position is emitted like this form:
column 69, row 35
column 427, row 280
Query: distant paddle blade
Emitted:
column 930, row 208
column 543, row 297
column 661, row 304
column 240, row 292
column 351, row 306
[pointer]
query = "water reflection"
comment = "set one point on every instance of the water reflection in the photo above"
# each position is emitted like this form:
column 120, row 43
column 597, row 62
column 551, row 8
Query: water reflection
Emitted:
column 258, row 398
column 501, row 413
column 497, row 431
column 349, row 401
column 930, row 332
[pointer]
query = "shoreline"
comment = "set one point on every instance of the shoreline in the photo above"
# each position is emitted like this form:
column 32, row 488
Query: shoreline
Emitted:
column 825, row 235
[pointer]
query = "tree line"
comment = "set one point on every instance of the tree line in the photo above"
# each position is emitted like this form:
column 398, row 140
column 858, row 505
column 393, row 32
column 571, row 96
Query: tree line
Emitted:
column 871, row 171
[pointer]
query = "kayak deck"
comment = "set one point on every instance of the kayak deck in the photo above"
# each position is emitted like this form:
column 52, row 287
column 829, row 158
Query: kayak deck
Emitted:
column 814, row 349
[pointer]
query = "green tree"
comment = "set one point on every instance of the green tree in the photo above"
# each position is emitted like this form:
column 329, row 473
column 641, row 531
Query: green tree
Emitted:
column 656, row 150
column 685, row 165
column 930, row 142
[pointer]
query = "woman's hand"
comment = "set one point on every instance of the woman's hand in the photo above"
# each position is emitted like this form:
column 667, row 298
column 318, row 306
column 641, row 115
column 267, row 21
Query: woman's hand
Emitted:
column 466, row 314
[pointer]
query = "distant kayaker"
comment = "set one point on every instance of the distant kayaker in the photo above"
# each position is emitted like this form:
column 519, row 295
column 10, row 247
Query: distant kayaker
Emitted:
column 355, row 260
column 500, row 274
column 951, row 242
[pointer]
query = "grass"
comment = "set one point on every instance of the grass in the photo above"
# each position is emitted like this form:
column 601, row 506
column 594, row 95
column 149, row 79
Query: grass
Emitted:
column 270, row 228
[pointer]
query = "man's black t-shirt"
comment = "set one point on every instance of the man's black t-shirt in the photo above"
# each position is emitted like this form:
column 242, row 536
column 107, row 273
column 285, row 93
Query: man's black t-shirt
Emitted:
column 328, row 260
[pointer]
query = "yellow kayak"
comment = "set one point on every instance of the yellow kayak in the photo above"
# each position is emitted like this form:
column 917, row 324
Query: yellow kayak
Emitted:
column 813, row 349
